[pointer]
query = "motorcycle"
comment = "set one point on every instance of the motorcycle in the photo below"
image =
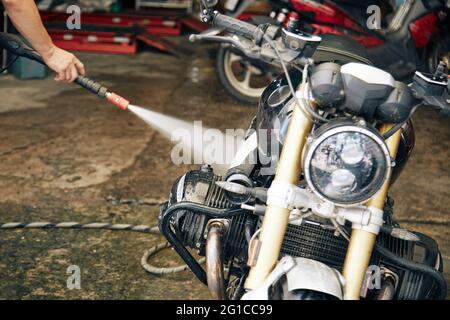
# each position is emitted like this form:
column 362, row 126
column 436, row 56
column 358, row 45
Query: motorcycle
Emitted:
column 415, row 36
column 315, row 222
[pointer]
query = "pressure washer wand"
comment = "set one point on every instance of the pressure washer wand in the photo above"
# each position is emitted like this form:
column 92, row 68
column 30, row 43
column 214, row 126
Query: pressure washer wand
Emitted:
column 102, row 92
column 15, row 45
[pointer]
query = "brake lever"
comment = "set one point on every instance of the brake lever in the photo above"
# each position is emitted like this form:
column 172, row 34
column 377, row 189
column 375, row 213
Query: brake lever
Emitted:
column 433, row 89
column 253, row 52
column 211, row 32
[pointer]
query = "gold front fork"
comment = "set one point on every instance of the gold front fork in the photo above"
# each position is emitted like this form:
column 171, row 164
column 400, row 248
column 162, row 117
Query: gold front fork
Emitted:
column 276, row 218
column 362, row 242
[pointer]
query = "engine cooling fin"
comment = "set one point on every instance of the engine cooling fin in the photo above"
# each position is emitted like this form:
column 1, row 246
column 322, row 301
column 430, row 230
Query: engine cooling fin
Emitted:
column 315, row 241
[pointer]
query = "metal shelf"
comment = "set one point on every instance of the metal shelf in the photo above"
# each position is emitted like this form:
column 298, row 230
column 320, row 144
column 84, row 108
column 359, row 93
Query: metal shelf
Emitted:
column 186, row 4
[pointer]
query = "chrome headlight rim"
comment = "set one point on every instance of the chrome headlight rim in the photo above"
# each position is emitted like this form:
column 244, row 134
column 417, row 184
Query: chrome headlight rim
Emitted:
column 333, row 128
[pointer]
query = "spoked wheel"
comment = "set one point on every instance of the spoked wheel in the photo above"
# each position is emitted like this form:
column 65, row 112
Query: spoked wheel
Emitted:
column 242, row 78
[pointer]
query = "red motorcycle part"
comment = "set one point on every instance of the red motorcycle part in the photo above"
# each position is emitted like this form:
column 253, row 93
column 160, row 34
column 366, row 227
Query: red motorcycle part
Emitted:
column 423, row 29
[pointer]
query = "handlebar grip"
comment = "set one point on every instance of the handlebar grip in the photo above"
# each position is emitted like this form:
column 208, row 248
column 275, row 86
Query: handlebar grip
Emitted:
column 234, row 25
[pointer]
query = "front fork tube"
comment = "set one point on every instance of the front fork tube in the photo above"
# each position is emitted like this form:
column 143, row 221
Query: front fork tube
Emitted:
column 362, row 240
column 276, row 218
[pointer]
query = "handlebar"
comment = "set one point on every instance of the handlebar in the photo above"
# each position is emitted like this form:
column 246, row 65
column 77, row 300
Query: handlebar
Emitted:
column 234, row 25
column 236, row 43
column 303, row 49
column 266, row 39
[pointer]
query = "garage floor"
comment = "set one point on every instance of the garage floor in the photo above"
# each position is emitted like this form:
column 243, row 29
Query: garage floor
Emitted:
column 67, row 156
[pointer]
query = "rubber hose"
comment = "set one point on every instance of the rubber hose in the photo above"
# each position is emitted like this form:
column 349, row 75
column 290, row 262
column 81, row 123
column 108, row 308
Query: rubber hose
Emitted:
column 162, row 270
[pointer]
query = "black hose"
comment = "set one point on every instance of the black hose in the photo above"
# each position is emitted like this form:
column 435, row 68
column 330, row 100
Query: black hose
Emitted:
column 415, row 266
column 187, row 257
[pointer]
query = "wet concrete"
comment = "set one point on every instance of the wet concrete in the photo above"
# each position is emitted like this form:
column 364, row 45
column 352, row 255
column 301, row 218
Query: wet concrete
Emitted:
column 64, row 155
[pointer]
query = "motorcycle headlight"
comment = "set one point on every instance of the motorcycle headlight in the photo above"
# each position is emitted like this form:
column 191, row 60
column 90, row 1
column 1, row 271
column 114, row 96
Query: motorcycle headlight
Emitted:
column 345, row 163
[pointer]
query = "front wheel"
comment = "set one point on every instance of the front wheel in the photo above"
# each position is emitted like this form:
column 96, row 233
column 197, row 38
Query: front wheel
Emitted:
column 242, row 78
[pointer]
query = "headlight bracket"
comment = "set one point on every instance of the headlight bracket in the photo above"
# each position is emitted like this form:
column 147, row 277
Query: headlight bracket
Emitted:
column 292, row 197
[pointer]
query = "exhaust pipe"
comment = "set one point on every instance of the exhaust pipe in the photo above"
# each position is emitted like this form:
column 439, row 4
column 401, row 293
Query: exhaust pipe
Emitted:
column 214, row 266
column 387, row 290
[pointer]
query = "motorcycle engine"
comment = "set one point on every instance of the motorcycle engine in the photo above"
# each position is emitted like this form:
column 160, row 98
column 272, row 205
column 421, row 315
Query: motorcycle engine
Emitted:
column 198, row 186
column 311, row 238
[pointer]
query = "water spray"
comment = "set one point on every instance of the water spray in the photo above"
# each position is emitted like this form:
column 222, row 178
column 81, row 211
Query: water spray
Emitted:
column 166, row 125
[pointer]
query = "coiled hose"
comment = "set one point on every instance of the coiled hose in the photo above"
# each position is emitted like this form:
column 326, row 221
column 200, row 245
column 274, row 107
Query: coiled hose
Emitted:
column 158, row 270
column 108, row 226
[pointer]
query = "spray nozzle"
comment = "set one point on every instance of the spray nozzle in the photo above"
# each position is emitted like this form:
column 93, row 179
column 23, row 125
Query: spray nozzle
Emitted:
column 102, row 92
column 117, row 100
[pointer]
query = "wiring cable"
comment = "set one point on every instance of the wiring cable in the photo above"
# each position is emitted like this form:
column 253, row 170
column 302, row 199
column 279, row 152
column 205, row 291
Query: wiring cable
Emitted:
column 304, row 106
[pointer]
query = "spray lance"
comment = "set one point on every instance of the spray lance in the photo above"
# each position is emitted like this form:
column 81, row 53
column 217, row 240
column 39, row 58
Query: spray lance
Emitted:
column 15, row 45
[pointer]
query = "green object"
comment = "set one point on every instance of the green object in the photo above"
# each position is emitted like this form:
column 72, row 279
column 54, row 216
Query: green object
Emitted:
column 25, row 68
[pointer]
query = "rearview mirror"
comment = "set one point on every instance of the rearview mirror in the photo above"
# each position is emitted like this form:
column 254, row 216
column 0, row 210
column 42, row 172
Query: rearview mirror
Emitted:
column 210, row 3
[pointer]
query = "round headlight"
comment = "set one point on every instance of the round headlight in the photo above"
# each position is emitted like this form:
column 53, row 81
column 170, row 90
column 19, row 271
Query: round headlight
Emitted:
column 345, row 163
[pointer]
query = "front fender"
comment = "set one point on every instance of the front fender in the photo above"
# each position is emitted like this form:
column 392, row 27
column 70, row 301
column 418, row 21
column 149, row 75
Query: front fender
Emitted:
column 293, row 274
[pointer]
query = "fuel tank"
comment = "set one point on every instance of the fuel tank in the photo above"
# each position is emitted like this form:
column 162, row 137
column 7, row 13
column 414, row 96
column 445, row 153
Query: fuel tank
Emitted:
column 274, row 113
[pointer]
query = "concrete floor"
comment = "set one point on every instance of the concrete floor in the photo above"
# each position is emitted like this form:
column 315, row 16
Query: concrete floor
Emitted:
column 67, row 156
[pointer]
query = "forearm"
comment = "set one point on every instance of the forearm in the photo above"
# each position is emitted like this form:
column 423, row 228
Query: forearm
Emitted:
column 25, row 17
